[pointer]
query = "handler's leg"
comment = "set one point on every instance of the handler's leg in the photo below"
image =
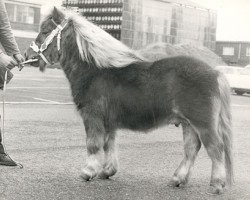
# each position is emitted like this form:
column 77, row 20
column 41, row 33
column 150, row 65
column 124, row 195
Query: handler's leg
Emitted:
column 1, row 144
column 4, row 158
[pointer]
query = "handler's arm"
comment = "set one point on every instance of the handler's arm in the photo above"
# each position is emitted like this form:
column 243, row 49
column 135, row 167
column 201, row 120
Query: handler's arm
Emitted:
column 6, row 36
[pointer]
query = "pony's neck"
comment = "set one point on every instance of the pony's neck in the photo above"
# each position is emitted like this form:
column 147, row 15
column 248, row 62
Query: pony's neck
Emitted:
column 70, row 59
column 78, row 72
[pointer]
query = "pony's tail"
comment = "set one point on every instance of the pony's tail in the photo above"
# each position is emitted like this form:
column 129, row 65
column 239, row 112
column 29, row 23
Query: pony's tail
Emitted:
column 225, row 126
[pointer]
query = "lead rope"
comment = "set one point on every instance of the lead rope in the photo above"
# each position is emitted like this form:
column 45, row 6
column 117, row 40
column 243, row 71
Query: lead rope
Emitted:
column 4, row 89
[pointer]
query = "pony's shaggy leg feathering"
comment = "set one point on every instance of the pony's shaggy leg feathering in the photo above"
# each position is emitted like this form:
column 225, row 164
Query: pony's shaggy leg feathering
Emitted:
column 95, row 141
column 214, row 146
column 98, row 139
column 110, row 157
column 192, row 146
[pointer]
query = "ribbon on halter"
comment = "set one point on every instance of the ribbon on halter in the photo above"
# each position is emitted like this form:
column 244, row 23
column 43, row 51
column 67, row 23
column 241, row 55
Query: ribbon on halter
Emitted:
column 36, row 49
column 56, row 32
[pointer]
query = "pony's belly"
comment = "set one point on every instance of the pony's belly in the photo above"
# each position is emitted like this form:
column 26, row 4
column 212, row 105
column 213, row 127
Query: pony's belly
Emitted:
column 152, row 120
column 144, row 122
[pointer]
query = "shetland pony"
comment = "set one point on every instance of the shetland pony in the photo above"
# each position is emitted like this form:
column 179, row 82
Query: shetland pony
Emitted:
column 113, row 87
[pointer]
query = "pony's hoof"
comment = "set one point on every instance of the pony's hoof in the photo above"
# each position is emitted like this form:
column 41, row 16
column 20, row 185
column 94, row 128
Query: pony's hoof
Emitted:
column 107, row 172
column 103, row 175
column 215, row 190
column 216, row 187
column 87, row 174
column 176, row 182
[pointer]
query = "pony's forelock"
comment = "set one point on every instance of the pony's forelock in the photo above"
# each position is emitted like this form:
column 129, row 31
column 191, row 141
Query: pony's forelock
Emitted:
column 98, row 47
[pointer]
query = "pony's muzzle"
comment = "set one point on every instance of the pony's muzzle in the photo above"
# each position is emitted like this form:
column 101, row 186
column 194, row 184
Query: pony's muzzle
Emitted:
column 30, row 54
column 31, row 58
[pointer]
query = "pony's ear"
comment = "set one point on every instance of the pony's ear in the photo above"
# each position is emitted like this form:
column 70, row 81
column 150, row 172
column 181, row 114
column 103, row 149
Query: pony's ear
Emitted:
column 57, row 15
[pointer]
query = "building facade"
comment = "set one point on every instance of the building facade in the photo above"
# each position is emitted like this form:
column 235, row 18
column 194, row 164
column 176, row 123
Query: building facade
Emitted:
column 24, row 16
column 234, row 53
column 138, row 23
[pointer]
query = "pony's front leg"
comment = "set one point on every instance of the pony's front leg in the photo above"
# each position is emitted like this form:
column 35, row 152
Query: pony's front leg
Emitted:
column 110, row 161
column 95, row 141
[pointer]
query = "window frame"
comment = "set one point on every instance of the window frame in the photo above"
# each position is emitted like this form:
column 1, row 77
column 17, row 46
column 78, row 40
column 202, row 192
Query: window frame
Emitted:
column 25, row 14
column 248, row 51
column 228, row 51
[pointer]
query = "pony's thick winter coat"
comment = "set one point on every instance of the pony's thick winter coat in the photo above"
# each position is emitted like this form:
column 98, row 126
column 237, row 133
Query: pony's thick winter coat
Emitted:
column 113, row 87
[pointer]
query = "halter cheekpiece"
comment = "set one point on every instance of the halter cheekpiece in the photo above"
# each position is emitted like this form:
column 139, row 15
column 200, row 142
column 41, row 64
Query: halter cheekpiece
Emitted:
column 56, row 32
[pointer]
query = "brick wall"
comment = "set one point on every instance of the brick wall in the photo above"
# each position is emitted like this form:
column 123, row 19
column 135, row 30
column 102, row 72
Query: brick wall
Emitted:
column 239, row 57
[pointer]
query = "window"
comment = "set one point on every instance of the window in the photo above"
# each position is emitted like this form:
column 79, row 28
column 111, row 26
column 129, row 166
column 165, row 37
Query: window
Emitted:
column 248, row 51
column 11, row 11
column 25, row 14
column 165, row 29
column 20, row 13
column 150, row 24
column 228, row 51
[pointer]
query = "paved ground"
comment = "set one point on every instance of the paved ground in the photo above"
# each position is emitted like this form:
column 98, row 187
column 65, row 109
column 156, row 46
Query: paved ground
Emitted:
column 44, row 133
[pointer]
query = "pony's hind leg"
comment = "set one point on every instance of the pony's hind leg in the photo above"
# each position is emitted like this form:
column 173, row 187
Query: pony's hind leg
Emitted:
column 192, row 146
column 95, row 141
column 214, row 145
column 110, row 156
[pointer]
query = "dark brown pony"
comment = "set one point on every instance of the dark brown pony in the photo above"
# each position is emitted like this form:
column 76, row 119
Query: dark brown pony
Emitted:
column 115, row 88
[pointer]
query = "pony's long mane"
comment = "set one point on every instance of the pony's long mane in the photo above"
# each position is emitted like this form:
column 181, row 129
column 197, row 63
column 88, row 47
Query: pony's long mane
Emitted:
column 98, row 47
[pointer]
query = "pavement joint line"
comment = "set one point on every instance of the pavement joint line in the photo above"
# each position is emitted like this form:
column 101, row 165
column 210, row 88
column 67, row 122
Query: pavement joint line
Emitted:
column 44, row 78
column 35, row 79
column 240, row 105
column 13, row 88
column 45, row 100
column 37, row 102
column 44, row 93
column 71, row 103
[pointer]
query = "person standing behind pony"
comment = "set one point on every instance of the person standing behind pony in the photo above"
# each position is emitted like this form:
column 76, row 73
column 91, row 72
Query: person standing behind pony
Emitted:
column 8, row 61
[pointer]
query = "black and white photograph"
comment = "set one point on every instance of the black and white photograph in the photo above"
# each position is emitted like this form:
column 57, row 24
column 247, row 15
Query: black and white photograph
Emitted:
column 124, row 99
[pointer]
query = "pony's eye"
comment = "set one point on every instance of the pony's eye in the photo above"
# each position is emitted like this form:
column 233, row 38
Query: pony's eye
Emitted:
column 45, row 32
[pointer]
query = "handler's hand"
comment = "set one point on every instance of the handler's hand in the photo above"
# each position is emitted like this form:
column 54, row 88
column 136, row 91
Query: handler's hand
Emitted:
column 19, row 58
column 7, row 61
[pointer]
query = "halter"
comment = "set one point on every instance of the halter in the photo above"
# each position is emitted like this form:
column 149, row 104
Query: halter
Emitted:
column 56, row 32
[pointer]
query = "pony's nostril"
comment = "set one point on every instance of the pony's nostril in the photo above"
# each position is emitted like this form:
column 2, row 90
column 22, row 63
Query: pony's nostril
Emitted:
column 25, row 55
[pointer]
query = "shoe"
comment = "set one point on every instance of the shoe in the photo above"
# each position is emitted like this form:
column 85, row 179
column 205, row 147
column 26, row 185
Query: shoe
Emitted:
column 6, row 160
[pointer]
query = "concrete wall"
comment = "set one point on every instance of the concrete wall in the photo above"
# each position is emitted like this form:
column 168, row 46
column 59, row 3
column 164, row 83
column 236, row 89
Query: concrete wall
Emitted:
column 145, row 22
column 23, row 43
column 24, row 26
column 149, row 21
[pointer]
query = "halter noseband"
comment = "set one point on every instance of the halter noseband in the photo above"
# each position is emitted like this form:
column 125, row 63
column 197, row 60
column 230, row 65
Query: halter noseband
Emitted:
column 56, row 32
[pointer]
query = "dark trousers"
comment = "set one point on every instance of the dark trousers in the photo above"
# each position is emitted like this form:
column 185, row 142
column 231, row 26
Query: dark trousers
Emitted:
column 1, row 144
